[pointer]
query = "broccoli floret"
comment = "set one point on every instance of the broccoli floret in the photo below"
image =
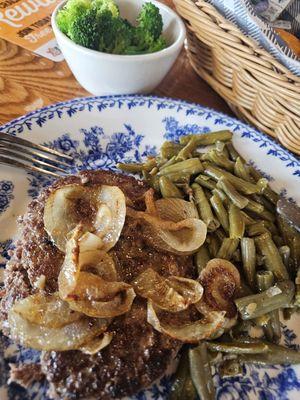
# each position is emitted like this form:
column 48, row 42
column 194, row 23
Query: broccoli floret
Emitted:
column 157, row 45
column 150, row 20
column 70, row 12
column 106, row 5
column 115, row 34
column 85, row 30
column 122, row 36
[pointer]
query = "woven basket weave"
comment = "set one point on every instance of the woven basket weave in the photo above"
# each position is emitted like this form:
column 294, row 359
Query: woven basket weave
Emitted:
column 257, row 88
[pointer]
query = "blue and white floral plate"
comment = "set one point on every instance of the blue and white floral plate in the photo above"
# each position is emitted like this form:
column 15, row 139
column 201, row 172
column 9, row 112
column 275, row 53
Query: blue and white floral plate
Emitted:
column 98, row 133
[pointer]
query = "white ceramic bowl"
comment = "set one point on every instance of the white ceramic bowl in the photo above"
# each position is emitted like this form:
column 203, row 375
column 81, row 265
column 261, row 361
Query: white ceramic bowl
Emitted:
column 105, row 74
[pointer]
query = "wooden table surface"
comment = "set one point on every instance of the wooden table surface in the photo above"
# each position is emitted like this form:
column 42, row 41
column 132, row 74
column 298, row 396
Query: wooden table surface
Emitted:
column 28, row 82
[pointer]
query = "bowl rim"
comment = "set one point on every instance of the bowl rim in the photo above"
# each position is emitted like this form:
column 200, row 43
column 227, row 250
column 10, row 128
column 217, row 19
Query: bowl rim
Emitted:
column 177, row 44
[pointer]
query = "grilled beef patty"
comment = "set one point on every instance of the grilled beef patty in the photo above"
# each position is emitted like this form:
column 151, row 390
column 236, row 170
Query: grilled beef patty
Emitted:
column 137, row 354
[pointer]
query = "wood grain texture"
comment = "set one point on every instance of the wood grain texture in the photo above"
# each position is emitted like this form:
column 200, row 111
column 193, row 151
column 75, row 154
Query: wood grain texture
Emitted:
column 28, row 82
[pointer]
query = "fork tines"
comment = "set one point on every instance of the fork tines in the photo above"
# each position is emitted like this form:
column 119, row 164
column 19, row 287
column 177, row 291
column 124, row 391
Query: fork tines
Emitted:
column 24, row 154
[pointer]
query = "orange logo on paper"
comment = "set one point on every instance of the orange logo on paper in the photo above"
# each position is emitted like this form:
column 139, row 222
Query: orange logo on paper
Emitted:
column 27, row 23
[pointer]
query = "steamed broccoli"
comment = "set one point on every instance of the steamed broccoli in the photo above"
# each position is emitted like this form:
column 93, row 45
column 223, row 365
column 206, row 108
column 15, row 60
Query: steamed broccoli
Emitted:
column 97, row 24
column 84, row 30
column 106, row 5
column 71, row 11
column 150, row 21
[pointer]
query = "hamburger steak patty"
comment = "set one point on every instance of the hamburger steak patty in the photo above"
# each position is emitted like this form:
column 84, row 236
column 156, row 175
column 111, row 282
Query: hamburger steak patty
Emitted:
column 137, row 354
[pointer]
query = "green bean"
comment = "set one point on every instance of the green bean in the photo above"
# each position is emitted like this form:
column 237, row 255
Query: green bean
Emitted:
column 153, row 171
column 219, row 159
column 213, row 245
column 220, row 234
column 204, row 208
column 241, row 170
column 236, row 222
column 154, row 182
column 249, row 260
column 201, row 372
column 183, row 387
column 285, row 253
column 272, row 258
column 220, row 194
column 191, row 166
column 179, row 177
column 254, row 206
column 187, row 150
column 277, row 296
column 262, row 184
column 237, row 199
column 205, row 139
column 205, row 181
column 258, row 228
column 232, row 151
column 248, row 220
column 295, row 251
column 238, row 347
column 265, row 279
column 168, row 189
column 240, row 184
column 271, row 227
column 263, row 201
column 229, row 368
column 228, row 247
column 270, row 195
column 220, row 211
column 221, row 147
column 291, row 238
column 170, row 149
column 268, row 192
column 171, row 161
column 275, row 325
column 130, row 167
column 276, row 355
column 254, row 173
column 267, row 215
column 201, row 258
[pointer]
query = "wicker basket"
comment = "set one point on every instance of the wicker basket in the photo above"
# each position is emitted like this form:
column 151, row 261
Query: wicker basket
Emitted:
column 257, row 87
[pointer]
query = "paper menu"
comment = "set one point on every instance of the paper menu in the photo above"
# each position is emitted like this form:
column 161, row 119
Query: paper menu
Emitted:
column 27, row 23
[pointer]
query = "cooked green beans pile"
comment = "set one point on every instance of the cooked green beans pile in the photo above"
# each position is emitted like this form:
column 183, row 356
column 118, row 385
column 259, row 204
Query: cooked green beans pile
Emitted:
column 239, row 209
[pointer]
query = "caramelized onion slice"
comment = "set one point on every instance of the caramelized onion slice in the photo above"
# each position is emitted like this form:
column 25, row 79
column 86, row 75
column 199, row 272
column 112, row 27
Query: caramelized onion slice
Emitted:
column 99, row 209
column 175, row 209
column 172, row 294
column 97, row 344
column 187, row 333
column 120, row 304
column 68, row 337
column 93, row 287
column 46, row 310
column 183, row 237
column 206, row 311
column 220, row 279
column 82, row 256
column 111, row 214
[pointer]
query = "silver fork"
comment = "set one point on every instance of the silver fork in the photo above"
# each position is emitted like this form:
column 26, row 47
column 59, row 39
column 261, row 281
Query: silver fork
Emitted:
column 21, row 153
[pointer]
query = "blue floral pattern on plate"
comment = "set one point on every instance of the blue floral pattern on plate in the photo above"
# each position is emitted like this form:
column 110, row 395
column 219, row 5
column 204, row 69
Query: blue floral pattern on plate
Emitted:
column 6, row 194
column 79, row 131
